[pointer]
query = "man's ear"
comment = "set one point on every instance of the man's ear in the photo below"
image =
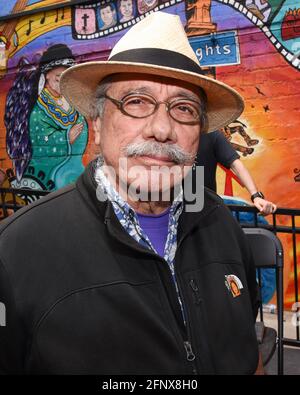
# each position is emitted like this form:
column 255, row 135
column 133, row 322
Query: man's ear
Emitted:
column 97, row 130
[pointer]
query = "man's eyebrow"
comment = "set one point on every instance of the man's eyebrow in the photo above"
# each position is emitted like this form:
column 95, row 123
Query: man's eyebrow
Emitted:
column 145, row 89
column 140, row 89
column 186, row 95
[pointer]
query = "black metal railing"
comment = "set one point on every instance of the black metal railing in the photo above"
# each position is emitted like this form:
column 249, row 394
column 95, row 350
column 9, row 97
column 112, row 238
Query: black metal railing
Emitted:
column 283, row 221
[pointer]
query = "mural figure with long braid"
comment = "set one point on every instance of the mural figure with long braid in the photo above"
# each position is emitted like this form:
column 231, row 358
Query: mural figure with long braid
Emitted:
column 47, row 137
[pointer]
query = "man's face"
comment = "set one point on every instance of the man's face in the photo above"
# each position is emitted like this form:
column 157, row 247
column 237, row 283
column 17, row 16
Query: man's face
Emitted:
column 116, row 131
column 126, row 8
column 107, row 16
column 53, row 78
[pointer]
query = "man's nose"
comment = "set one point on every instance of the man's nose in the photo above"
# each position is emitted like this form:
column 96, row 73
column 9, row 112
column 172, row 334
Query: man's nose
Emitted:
column 160, row 125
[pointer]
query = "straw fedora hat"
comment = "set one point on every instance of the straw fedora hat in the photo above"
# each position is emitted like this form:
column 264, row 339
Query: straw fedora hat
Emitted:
column 156, row 45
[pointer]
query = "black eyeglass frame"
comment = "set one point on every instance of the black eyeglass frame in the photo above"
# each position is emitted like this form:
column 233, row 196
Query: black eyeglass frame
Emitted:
column 120, row 103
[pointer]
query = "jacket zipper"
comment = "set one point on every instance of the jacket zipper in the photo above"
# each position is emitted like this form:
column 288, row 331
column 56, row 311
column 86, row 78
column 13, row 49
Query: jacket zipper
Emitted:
column 185, row 335
column 187, row 344
column 198, row 301
column 190, row 356
column 195, row 290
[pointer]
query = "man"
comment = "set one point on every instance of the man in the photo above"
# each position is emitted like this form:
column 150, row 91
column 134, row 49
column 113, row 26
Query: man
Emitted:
column 108, row 16
column 91, row 289
column 214, row 149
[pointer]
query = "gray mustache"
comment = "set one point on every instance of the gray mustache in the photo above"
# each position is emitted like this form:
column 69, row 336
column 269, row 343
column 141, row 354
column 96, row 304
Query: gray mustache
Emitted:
column 172, row 151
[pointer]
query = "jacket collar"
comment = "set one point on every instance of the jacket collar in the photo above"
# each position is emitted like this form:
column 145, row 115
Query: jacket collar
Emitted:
column 87, row 187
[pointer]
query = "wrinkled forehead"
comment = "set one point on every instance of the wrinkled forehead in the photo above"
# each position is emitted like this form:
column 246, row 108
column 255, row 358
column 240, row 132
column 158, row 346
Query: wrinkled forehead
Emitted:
column 146, row 83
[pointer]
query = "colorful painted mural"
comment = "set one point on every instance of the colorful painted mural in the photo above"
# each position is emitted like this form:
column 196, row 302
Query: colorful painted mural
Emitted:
column 46, row 140
column 253, row 45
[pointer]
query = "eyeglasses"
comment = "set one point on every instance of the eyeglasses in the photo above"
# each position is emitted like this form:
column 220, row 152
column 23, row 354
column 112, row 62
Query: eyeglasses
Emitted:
column 135, row 105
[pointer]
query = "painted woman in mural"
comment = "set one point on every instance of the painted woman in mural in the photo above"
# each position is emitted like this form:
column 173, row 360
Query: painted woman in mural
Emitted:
column 46, row 137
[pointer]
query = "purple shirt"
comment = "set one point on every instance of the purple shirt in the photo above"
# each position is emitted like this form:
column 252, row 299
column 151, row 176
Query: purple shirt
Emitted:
column 156, row 228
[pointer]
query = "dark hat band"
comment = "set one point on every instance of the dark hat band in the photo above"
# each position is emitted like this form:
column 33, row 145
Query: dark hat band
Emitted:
column 158, row 57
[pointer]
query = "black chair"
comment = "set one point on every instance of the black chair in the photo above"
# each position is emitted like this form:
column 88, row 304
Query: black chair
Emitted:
column 267, row 252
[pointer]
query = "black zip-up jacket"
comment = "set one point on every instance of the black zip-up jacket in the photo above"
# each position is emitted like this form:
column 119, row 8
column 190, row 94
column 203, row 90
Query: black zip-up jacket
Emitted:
column 83, row 297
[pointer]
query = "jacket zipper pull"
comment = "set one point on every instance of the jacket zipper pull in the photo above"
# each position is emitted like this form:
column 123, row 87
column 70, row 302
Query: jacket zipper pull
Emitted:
column 189, row 352
column 195, row 289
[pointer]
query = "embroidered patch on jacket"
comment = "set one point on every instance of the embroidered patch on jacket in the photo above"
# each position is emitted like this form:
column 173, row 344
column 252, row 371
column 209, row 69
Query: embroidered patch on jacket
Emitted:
column 233, row 284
